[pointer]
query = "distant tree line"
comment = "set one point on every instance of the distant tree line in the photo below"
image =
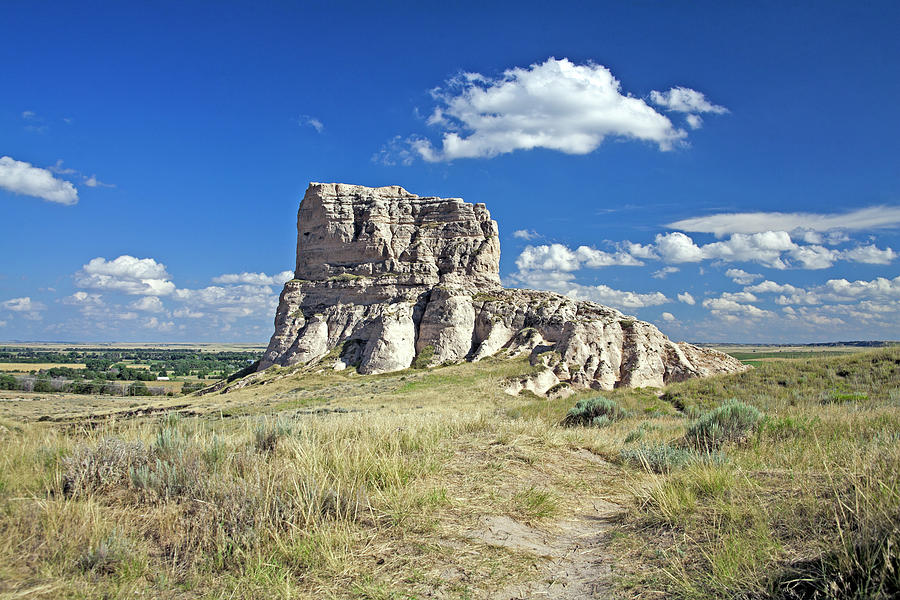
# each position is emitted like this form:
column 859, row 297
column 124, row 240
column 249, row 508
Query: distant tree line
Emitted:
column 95, row 387
column 110, row 363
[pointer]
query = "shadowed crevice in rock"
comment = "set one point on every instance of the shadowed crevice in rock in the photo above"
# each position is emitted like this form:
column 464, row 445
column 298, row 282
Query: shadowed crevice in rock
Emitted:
column 385, row 278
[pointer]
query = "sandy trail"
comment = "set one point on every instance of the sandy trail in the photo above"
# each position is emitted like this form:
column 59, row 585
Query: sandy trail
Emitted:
column 578, row 566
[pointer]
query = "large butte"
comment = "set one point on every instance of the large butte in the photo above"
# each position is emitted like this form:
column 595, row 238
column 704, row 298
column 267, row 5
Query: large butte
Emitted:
column 385, row 278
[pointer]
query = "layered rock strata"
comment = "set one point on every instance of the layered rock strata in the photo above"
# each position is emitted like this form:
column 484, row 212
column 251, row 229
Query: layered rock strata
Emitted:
column 386, row 279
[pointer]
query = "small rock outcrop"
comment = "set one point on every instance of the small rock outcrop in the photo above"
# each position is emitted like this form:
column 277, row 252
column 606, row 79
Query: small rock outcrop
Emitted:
column 386, row 279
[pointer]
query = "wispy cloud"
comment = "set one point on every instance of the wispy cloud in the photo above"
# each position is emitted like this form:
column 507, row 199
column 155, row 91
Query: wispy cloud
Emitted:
column 59, row 169
column 664, row 272
column 34, row 122
column 93, row 182
column 308, row 121
column 722, row 224
column 686, row 100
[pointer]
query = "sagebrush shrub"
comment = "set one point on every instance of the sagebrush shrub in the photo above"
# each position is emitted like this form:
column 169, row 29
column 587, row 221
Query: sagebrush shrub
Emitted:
column 106, row 556
column 266, row 434
column 659, row 458
column 107, row 464
column 730, row 422
column 638, row 432
column 596, row 411
column 169, row 479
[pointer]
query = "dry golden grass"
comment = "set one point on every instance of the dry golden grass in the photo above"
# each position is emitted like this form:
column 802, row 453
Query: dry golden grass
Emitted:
column 380, row 495
column 335, row 485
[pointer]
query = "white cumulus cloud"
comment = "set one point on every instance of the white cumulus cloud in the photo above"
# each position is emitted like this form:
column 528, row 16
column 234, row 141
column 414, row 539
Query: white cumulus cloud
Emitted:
column 880, row 289
column 148, row 304
column 558, row 257
column 526, row 234
column 564, row 283
column 869, row 254
column 25, row 306
column 127, row 274
column 732, row 309
column 676, row 247
column 255, row 278
column 687, row 298
column 556, row 105
column 618, row 298
column 764, row 248
column 771, row 287
column 774, row 249
column 22, row 178
column 230, row 302
column 83, row 299
column 154, row 323
column 664, row 272
column 694, row 121
column 742, row 277
column 813, row 256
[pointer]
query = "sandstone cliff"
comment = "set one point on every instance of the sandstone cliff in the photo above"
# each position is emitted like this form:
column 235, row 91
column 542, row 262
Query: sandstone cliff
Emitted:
column 385, row 279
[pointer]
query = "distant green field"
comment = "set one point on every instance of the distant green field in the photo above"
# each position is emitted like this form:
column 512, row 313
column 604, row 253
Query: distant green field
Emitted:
column 744, row 356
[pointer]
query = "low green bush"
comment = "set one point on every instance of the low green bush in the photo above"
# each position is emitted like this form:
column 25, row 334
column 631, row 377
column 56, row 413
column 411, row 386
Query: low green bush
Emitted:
column 423, row 358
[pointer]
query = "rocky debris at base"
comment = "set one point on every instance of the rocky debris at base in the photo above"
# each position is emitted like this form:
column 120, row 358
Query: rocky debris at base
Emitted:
column 386, row 279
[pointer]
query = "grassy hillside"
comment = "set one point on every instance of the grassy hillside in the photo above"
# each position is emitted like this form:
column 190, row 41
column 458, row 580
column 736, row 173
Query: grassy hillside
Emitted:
column 433, row 483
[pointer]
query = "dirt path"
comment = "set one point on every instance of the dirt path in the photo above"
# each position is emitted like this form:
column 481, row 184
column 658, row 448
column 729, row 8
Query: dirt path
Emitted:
column 578, row 566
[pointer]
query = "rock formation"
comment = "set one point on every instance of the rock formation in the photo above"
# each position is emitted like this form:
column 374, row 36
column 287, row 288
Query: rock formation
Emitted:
column 386, row 279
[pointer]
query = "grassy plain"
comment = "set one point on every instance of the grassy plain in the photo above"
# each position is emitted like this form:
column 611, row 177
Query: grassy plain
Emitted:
column 433, row 483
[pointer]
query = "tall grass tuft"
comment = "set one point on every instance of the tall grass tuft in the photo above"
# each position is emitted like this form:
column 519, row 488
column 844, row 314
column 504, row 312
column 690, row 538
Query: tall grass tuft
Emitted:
column 863, row 558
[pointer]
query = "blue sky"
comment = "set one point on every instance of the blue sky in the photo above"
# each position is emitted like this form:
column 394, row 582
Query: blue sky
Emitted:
column 728, row 172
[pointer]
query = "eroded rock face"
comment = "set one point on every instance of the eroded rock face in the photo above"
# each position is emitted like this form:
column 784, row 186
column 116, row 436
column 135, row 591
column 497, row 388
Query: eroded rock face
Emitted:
column 371, row 232
column 385, row 278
